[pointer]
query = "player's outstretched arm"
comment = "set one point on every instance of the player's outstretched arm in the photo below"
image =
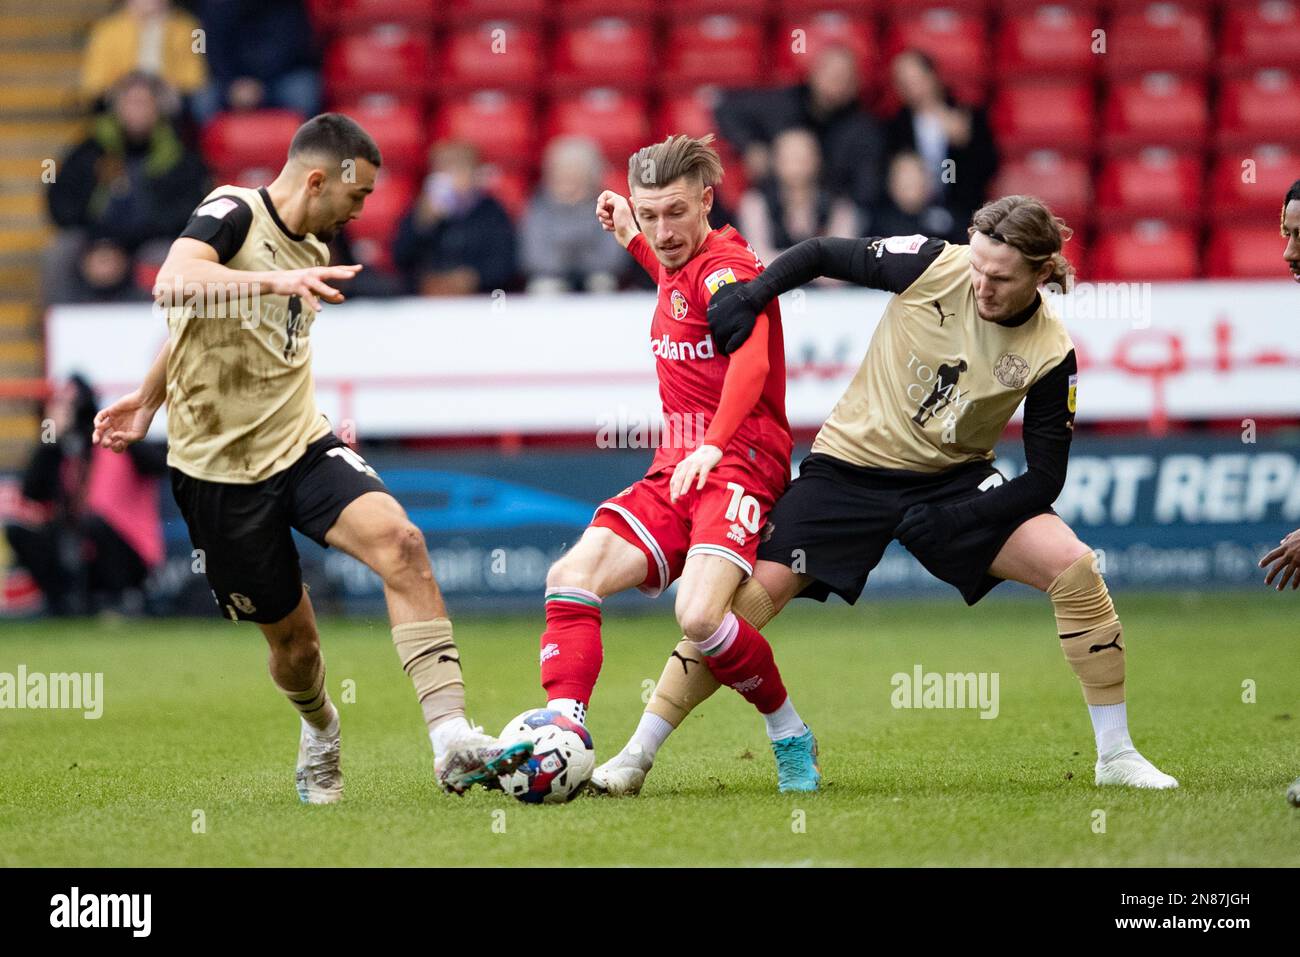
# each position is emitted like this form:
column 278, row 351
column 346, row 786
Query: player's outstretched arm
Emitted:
column 193, row 269
column 888, row 263
column 127, row 420
column 1285, row 560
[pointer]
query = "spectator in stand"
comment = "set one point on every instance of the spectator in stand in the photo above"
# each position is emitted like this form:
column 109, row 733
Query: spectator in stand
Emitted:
column 262, row 55
column 909, row 206
column 829, row 103
column 88, row 531
column 934, row 126
column 145, row 36
column 120, row 197
column 790, row 205
column 562, row 246
column 456, row 239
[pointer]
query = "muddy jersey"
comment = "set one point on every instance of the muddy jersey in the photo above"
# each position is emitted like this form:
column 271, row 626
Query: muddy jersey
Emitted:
column 241, row 405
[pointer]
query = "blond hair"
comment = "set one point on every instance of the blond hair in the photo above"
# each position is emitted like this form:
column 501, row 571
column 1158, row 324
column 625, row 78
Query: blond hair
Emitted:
column 1027, row 224
column 676, row 157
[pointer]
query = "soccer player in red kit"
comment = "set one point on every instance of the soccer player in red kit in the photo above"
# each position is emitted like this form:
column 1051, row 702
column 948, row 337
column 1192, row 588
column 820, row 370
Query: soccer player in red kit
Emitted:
column 699, row 510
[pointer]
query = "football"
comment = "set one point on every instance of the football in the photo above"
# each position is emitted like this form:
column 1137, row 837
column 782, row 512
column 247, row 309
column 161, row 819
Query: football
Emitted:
column 562, row 762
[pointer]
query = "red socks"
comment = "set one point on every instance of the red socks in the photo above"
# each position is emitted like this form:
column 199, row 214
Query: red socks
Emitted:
column 740, row 657
column 571, row 649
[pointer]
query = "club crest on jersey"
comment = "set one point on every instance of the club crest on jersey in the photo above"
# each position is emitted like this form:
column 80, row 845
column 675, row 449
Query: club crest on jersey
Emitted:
column 678, row 302
column 1011, row 370
column 716, row 280
column 1070, row 399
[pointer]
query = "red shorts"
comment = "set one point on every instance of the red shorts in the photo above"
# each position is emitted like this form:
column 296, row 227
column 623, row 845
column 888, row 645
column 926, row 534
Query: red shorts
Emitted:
column 725, row 518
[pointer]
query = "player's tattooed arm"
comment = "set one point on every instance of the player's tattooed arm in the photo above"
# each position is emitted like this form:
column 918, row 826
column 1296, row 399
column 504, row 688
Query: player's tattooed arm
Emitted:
column 1048, row 429
column 888, row 263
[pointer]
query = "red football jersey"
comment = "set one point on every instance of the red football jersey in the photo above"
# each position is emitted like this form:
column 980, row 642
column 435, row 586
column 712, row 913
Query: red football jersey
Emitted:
column 691, row 370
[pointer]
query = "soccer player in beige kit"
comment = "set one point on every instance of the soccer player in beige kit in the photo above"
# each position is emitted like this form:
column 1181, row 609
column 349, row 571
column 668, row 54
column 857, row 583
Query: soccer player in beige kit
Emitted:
column 252, row 457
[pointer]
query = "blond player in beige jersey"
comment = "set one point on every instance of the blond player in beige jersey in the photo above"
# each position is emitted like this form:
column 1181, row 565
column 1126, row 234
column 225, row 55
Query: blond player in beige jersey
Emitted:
column 907, row 453
column 252, row 457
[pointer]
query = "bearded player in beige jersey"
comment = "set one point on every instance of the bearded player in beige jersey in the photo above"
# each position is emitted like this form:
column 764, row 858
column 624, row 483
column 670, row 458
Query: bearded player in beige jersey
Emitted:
column 907, row 451
column 251, row 456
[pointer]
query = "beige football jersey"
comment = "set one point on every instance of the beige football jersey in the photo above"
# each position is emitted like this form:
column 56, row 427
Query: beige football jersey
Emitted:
column 241, row 405
column 938, row 383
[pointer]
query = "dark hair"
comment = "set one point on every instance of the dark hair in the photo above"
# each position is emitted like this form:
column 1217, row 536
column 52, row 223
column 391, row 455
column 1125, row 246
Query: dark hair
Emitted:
column 335, row 137
column 1292, row 195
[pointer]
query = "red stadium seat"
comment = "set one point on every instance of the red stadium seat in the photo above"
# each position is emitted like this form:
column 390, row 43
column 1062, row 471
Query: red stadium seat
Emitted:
column 511, row 187
column 1250, row 183
column 1062, row 182
column 956, row 41
column 1261, row 108
column 859, row 8
column 617, row 121
column 690, row 112
column 345, row 16
column 501, row 125
column 714, row 48
column 387, row 59
column 1054, row 114
column 371, row 234
column 1157, row 36
column 691, row 8
column 1245, row 252
column 502, row 54
column 570, row 11
column 247, row 145
column 1047, row 41
column 1149, row 250
column 795, row 52
column 1157, row 109
column 1156, row 182
column 1256, row 35
column 605, row 51
column 464, row 11
column 397, row 127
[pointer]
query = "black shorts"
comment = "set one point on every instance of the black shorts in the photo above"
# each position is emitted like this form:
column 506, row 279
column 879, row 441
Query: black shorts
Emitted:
column 243, row 530
column 836, row 519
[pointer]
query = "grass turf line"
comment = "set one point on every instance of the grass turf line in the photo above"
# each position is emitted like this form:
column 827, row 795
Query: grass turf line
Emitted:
column 192, row 723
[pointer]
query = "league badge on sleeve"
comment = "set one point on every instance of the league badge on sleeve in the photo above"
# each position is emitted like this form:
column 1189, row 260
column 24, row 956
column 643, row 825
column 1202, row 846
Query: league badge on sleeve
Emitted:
column 1070, row 398
column 716, row 280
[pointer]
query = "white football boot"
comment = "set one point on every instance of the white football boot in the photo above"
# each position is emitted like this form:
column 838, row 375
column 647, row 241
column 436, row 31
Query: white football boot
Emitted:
column 1124, row 766
column 624, row 774
column 320, row 780
column 478, row 758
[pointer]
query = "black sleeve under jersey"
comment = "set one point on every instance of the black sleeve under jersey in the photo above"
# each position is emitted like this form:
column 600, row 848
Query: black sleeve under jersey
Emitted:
column 222, row 223
column 863, row 261
column 1048, row 429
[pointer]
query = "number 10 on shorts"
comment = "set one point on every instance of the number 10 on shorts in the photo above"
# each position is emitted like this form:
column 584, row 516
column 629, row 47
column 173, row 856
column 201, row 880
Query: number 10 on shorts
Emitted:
column 742, row 507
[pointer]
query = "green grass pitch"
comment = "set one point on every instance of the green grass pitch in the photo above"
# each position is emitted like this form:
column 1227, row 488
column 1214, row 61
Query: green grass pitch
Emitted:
column 192, row 724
